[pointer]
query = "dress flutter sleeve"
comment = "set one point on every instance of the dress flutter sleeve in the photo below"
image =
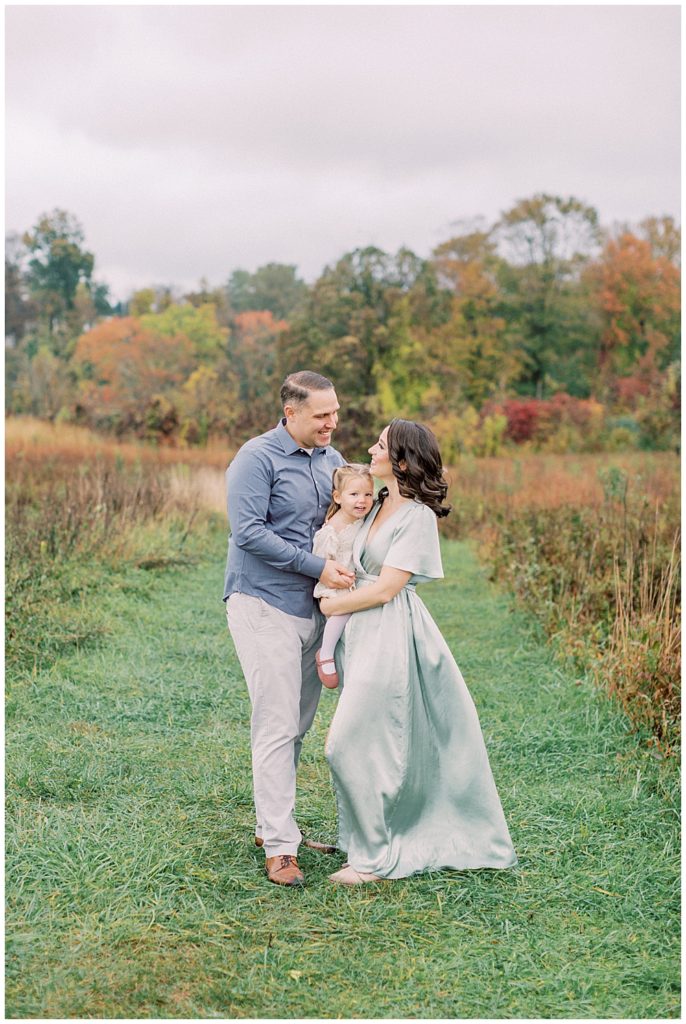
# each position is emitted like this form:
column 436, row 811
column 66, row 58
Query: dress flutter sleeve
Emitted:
column 415, row 546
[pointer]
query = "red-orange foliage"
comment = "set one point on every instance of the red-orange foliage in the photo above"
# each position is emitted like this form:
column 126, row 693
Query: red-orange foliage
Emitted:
column 256, row 324
column 123, row 365
column 638, row 294
column 628, row 390
column 523, row 416
column 534, row 418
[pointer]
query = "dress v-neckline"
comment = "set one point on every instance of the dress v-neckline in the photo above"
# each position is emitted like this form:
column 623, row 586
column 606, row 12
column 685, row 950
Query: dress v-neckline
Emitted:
column 392, row 516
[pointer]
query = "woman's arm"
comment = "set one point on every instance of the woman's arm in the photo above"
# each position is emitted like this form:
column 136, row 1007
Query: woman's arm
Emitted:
column 388, row 585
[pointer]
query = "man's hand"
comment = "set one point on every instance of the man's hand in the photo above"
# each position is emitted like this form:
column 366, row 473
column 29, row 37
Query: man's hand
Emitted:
column 337, row 576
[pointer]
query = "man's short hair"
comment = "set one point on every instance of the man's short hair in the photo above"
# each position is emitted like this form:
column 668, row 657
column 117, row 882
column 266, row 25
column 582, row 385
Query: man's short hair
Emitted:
column 297, row 387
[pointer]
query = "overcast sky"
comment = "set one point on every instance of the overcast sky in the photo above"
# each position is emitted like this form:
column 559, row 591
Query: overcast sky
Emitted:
column 190, row 141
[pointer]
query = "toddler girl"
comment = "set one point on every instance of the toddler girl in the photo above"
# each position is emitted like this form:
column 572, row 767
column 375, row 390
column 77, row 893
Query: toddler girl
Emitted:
column 353, row 497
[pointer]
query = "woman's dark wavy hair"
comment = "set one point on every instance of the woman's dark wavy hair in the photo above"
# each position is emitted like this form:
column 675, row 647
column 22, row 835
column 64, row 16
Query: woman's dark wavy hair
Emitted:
column 416, row 446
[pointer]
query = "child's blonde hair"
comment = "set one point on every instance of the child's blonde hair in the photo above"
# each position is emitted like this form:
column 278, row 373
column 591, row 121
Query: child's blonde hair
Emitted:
column 340, row 475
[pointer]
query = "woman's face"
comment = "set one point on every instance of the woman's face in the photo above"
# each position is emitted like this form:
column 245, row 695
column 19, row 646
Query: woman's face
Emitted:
column 381, row 464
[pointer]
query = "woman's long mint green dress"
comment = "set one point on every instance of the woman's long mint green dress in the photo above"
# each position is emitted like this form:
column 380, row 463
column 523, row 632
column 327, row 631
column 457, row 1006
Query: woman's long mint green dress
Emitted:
column 413, row 783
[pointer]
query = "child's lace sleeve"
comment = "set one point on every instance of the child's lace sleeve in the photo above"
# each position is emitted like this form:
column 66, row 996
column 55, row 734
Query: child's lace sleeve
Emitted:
column 325, row 543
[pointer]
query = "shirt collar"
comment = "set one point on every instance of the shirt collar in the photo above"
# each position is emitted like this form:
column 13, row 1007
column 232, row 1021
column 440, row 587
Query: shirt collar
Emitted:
column 288, row 443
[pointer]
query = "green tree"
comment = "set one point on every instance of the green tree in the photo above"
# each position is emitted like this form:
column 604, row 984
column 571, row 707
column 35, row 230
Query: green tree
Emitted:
column 152, row 299
column 197, row 323
column 58, row 264
column 142, row 302
column 363, row 325
column 403, row 374
column 475, row 358
column 253, row 354
column 545, row 241
column 216, row 297
column 209, row 403
column 20, row 310
column 664, row 237
column 275, row 287
column 39, row 384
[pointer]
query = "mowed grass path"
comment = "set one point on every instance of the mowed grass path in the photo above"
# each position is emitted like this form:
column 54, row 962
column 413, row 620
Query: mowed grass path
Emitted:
column 134, row 889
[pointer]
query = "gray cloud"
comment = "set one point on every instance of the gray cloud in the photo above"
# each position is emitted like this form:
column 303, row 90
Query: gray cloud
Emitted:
column 191, row 140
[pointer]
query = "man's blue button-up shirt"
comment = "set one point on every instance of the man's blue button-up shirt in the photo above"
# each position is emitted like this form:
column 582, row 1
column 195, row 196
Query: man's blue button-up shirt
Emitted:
column 277, row 497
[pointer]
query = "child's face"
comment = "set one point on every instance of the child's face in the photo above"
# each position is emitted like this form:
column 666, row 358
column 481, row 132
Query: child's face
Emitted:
column 356, row 498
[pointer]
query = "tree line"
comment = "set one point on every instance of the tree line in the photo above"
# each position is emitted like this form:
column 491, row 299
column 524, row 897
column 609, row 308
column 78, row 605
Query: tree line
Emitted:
column 542, row 328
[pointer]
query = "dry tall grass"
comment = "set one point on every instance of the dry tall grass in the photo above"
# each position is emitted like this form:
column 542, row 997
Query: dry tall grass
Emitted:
column 588, row 542
column 77, row 507
column 642, row 663
column 481, row 487
column 36, row 440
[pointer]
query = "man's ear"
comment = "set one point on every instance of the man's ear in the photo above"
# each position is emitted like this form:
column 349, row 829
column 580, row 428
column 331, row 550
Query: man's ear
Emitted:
column 288, row 411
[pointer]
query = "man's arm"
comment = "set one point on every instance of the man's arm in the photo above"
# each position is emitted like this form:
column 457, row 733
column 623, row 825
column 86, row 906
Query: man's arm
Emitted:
column 248, row 485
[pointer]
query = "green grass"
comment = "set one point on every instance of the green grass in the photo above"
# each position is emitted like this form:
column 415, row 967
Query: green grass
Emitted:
column 134, row 889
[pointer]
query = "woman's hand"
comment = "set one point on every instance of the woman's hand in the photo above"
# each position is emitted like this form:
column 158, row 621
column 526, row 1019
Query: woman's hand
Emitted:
column 327, row 606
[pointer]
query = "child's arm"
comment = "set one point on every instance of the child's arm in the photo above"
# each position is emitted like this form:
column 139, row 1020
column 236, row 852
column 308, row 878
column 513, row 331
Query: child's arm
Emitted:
column 389, row 584
column 325, row 544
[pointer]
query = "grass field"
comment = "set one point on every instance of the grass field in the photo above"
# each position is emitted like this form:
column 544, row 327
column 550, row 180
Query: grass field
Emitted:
column 134, row 890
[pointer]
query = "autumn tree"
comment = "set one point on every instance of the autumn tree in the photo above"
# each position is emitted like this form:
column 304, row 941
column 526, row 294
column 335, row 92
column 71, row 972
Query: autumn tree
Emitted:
column 637, row 294
column 252, row 350
column 128, row 374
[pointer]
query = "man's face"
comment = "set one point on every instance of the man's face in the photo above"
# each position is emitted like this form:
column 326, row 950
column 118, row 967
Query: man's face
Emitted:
column 312, row 423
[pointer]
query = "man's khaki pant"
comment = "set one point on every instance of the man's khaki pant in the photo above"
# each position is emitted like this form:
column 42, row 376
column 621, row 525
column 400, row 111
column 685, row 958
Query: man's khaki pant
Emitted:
column 276, row 652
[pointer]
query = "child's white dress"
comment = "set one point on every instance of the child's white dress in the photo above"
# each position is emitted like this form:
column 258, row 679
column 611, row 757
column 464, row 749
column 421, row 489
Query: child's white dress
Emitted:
column 330, row 543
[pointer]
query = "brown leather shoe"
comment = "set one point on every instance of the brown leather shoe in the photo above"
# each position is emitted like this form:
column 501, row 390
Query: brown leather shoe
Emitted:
column 311, row 843
column 284, row 870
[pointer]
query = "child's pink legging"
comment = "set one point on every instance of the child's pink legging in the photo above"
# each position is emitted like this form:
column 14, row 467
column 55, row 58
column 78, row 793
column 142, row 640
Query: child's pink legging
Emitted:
column 335, row 624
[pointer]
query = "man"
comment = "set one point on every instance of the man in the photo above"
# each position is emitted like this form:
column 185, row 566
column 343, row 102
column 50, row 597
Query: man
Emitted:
column 279, row 489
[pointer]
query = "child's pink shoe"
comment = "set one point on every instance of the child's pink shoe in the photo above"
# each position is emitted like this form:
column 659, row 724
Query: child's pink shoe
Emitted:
column 329, row 679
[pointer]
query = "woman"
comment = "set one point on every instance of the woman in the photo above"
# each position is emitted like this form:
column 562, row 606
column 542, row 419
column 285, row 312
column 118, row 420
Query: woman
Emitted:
column 410, row 770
